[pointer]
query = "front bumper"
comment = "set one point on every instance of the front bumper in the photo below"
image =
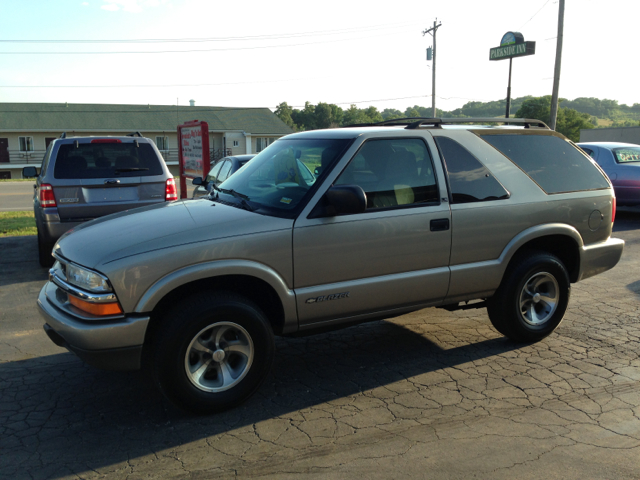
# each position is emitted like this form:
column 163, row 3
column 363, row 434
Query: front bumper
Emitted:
column 111, row 344
column 600, row 257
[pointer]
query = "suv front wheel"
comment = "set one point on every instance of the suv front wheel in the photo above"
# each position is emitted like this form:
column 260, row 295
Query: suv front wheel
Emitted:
column 532, row 298
column 212, row 352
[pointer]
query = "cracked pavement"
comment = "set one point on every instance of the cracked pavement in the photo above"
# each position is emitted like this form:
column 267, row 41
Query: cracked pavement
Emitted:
column 431, row 394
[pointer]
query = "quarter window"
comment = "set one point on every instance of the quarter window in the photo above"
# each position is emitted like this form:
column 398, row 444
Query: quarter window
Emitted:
column 26, row 144
column 552, row 162
column 393, row 173
column 469, row 179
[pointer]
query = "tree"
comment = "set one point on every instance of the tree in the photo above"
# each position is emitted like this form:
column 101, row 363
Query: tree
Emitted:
column 568, row 122
column 328, row 115
column 284, row 111
column 391, row 113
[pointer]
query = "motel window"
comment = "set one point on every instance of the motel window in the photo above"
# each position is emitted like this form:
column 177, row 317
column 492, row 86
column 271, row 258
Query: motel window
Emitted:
column 26, row 144
column 263, row 142
column 162, row 143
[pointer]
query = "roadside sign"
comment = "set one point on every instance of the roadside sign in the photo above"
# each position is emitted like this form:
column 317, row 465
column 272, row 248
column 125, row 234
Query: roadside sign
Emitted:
column 193, row 153
column 514, row 50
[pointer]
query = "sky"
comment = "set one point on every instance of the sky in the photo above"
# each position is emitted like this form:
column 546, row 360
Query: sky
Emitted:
column 261, row 53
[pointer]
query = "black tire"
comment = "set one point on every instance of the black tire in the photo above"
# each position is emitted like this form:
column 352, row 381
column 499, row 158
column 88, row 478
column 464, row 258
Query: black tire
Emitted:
column 532, row 298
column 44, row 253
column 224, row 335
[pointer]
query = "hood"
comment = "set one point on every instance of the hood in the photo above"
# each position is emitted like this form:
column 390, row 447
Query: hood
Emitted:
column 160, row 226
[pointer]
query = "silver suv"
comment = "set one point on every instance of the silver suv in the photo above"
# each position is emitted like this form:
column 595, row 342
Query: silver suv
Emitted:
column 415, row 214
column 82, row 178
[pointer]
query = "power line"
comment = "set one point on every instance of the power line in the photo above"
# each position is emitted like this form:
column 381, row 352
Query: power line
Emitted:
column 534, row 15
column 166, row 86
column 213, row 39
column 261, row 47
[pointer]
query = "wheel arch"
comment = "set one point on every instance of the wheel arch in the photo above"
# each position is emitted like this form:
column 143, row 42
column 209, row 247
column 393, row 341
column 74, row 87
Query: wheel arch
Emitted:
column 250, row 279
column 560, row 240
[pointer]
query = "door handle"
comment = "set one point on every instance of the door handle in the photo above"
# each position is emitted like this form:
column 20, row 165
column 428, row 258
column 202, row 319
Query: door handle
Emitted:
column 439, row 224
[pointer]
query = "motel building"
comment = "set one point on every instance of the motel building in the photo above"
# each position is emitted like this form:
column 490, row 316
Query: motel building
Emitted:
column 26, row 129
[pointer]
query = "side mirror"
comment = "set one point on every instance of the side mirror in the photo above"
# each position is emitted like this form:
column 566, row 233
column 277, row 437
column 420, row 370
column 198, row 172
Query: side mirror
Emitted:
column 197, row 181
column 341, row 200
column 29, row 172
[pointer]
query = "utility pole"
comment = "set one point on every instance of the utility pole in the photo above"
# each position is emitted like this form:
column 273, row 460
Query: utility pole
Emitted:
column 433, row 29
column 556, row 73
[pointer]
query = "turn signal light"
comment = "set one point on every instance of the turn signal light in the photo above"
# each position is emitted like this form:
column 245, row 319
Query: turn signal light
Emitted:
column 97, row 309
column 47, row 199
column 170, row 191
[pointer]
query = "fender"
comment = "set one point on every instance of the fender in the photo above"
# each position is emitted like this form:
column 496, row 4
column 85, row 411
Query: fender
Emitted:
column 218, row 268
column 481, row 279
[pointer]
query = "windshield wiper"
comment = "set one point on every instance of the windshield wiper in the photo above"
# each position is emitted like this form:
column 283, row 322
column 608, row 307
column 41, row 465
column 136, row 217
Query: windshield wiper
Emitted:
column 240, row 196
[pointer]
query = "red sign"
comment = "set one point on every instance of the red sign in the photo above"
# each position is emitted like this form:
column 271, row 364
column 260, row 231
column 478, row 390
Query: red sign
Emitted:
column 193, row 154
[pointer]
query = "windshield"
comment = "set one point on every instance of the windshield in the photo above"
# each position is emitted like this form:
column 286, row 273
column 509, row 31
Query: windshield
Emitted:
column 627, row 154
column 279, row 179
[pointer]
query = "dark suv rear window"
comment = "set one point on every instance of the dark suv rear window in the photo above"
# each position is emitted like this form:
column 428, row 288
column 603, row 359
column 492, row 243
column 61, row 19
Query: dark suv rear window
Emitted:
column 552, row 162
column 100, row 160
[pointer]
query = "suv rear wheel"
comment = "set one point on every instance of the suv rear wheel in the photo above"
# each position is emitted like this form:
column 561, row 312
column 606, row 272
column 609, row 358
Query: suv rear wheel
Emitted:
column 44, row 252
column 212, row 352
column 532, row 298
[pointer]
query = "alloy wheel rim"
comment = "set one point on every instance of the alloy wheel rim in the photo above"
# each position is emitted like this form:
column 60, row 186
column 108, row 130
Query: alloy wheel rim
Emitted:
column 539, row 298
column 219, row 357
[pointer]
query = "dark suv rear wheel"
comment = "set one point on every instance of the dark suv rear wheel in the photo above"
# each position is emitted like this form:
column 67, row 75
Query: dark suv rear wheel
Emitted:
column 44, row 252
column 532, row 298
column 212, row 352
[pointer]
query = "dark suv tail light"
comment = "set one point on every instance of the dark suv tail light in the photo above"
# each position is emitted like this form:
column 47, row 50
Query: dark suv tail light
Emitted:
column 47, row 199
column 170, row 191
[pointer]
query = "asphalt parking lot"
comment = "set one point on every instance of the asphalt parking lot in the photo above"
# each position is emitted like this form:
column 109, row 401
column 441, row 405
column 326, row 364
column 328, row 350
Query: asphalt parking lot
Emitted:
column 432, row 394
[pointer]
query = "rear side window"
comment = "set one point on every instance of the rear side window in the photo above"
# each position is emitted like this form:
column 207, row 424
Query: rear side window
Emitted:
column 469, row 180
column 552, row 162
column 100, row 160
column 627, row 154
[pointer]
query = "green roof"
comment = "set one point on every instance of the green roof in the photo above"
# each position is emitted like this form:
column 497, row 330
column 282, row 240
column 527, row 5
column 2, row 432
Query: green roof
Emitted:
column 104, row 117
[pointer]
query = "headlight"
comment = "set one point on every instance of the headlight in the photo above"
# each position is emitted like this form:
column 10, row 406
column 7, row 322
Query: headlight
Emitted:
column 86, row 279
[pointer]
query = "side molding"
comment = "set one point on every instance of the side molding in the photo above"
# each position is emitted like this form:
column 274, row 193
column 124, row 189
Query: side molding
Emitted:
column 218, row 268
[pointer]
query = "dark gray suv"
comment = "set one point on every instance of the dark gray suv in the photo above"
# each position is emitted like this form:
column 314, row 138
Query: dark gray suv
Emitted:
column 82, row 178
column 419, row 213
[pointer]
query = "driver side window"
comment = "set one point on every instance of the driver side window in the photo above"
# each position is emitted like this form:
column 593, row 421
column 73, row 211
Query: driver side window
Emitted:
column 393, row 173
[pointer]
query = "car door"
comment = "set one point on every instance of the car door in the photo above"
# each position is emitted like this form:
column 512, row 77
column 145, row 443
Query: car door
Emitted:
column 389, row 259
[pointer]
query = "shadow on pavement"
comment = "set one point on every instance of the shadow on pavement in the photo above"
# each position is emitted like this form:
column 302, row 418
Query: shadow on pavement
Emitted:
column 627, row 218
column 19, row 261
column 57, row 411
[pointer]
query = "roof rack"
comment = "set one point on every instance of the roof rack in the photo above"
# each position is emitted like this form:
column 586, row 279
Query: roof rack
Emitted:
column 413, row 123
column 64, row 135
column 437, row 122
column 134, row 134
